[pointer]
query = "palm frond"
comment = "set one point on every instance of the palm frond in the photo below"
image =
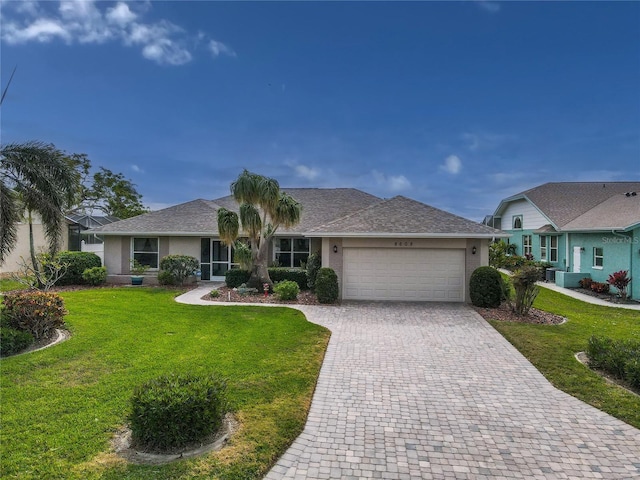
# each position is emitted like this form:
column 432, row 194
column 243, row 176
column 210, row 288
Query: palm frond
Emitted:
column 250, row 219
column 228, row 226
column 287, row 212
column 246, row 188
column 9, row 217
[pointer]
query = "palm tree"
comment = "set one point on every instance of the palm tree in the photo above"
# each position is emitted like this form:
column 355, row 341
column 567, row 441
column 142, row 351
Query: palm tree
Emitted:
column 34, row 178
column 263, row 209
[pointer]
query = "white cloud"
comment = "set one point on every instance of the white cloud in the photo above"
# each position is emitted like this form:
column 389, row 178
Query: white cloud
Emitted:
column 393, row 183
column 83, row 21
column 452, row 164
column 218, row 48
column 308, row 173
column 136, row 168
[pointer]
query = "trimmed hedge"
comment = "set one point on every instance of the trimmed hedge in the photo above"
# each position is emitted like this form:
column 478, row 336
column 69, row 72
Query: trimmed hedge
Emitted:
column 236, row 277
column 95, row 276
column 77, row 262
column 173, row 411
column 327, row 289
column 286, row 290
column 620, row 358
column 180, row 267
column 485, row 287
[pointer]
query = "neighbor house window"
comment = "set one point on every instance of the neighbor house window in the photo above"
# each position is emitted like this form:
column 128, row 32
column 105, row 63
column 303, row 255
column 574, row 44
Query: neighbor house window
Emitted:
column 517, row 222
column 543, row 249
column 145, row 251
column 598, row 257
column 291, row 252
column 553, row 250
column 527, row 248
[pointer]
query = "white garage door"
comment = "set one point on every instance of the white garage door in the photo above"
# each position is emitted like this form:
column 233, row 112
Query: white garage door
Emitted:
column 403, row 274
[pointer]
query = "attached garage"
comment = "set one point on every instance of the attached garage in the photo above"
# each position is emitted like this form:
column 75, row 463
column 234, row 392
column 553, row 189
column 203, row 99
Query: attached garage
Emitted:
column 416, row 274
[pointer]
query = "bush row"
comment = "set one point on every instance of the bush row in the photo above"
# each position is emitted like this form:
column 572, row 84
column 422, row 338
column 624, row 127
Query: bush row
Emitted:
column 236, row 277
column 620, row 358
column 77, row 263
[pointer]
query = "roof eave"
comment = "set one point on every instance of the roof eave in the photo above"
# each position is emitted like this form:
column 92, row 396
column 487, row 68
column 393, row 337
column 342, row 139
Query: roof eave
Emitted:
column 405, row 235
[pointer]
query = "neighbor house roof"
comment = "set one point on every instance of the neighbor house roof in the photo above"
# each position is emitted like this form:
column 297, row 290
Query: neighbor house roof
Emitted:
column 401, row 216
column 343, row 211
column 620, row 212
column 563, row 202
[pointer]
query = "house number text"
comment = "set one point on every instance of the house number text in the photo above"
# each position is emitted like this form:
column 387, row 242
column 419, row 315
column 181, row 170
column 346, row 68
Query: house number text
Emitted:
column 403, row 244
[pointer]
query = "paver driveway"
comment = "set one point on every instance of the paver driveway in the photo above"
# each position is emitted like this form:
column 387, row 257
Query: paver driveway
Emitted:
column 433, row 391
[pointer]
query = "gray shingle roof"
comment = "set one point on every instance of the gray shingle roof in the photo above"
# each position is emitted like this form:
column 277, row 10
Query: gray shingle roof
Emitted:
column 616, row 213
column 404, row 216
column 563, row 202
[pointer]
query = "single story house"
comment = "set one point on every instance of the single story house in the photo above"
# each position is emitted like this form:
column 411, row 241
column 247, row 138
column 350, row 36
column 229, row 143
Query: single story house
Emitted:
column 72, row 238
column 381, row 249
column 588, row 229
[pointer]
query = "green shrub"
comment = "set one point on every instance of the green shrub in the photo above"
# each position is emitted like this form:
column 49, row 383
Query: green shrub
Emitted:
column 278, row 274
column 13, row 340
column 286, row 290
column 95, row 275
column 632, row 372
column 526, row 290
column 77, row 263
column 314, row 263
column 215, row 293
column 485, row 287
column 327, row 289
column 236, row 277
column 180, row 267
column 617, row 357
column 173, row 411
column 165, row 278
column 38, row 313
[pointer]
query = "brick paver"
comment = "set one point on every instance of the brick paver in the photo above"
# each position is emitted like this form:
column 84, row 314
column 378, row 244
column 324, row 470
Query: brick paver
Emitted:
column 433, row 391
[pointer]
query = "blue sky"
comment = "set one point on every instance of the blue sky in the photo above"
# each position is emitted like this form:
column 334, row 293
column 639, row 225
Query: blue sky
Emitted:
column 456, row 104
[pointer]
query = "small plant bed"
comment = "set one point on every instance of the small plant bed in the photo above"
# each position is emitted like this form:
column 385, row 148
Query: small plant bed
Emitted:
column 305, row 297
column 504, row 313
column 607, row 297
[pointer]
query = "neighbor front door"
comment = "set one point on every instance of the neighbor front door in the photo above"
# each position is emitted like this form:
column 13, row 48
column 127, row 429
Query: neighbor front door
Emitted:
column 576, row 259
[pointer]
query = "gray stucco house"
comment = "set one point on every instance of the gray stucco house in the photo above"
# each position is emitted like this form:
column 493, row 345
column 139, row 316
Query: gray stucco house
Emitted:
column 381, row 249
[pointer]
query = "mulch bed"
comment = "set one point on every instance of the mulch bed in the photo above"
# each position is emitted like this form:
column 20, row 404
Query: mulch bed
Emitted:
column 504, row 313
column 607, row 297
column 305, row 297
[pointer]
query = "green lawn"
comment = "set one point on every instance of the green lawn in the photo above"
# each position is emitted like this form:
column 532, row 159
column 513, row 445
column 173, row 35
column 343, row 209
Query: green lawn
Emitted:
column 6, row 284
column 61, row 406
column 551, row 349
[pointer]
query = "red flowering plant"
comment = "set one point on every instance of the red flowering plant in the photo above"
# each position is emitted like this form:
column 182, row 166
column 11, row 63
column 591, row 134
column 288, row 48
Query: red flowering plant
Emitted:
column 38, row 313
column 620, row 280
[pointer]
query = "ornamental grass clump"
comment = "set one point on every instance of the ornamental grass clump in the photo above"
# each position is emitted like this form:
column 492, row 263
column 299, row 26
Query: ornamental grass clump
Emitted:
column 174, row 411
column 38, row 313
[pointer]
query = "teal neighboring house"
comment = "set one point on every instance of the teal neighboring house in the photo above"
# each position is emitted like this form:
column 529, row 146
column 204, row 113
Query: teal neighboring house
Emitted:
column 584, row 229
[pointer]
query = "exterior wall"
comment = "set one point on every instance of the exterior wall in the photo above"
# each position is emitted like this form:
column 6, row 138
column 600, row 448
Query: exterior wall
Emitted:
column 618, row 253
column 113, row 255
column 634, row 269
column 182, row 246
column 472, row 261
column 531, row 217
column 12, row 262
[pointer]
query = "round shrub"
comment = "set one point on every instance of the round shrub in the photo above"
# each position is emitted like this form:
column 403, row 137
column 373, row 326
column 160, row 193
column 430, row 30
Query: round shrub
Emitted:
column 286, row 290
column 95, row 276
column 173, row 411
column 77, row 263
column 485, row 287
column 13, row 341
column 180, row 267
column 165, row 278
column 215, row 293
column 327, row 289
column 38, row 313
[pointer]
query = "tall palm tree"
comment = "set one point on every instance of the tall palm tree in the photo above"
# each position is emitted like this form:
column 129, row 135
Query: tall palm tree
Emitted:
column 263, row 209
column 34, row 178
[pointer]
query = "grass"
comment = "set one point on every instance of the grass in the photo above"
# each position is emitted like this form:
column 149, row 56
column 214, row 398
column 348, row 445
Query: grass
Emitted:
column 552, row 348
column 61, row 406
column 6, row 285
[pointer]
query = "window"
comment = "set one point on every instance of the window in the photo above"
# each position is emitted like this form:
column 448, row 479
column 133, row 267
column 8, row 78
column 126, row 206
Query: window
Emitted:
column 553, row 250
column 598, row 257
column 527, row 248
column 543, row 248
column 290, row 252
column 517, row 222
column 145, row 251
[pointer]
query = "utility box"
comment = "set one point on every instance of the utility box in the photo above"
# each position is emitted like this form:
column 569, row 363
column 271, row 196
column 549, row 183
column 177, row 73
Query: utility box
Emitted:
column 550, row 275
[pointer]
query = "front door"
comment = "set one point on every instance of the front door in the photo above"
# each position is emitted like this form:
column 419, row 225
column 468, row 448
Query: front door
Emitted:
column 576, row 259
column 219, row 260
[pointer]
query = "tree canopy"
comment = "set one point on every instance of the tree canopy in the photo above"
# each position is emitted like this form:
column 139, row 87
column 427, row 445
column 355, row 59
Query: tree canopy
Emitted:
column 263, row 209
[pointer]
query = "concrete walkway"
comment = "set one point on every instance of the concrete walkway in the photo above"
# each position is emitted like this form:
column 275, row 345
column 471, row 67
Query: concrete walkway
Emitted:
column 588, row 298
column 433, row 391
